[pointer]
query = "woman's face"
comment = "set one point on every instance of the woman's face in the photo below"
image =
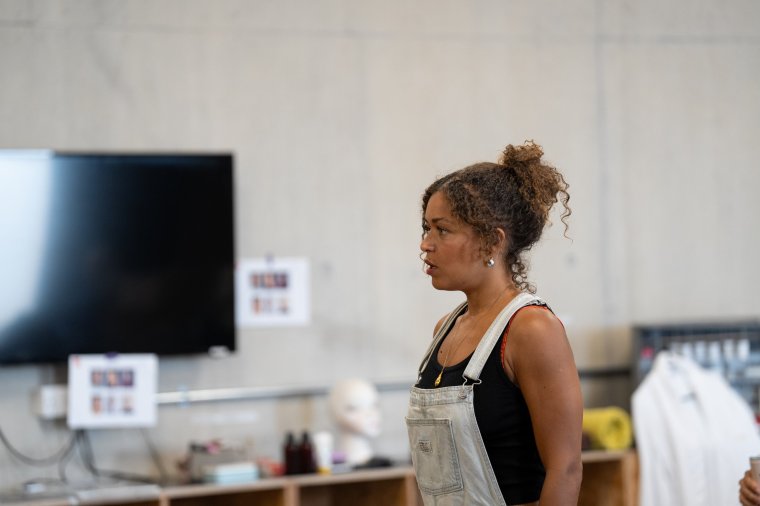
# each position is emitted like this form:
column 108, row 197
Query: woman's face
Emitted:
column 451, row 248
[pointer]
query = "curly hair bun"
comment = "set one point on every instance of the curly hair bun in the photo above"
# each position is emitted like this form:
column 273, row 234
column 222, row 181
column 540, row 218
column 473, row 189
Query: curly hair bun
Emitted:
column 530, row 152
column 540, row 184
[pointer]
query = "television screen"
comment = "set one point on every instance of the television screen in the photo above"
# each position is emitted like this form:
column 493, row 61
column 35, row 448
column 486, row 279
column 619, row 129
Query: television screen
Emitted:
column 122, row 253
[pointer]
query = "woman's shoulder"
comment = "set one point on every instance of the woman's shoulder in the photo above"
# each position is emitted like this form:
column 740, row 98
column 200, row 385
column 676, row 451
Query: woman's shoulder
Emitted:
column 536, row 345
column 535, row 322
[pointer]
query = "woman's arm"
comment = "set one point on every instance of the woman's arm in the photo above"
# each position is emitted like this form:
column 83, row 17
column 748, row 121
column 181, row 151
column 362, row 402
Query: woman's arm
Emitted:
column 539, row 357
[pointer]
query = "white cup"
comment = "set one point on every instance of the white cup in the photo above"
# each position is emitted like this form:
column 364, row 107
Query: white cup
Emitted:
column 323, row 444
column 754, row 465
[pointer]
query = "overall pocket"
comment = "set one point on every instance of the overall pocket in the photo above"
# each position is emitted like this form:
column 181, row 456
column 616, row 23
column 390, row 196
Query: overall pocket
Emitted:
column 434, row 455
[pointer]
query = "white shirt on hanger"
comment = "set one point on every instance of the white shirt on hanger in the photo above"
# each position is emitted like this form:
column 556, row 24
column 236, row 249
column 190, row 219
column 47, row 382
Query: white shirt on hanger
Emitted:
column 694, row 435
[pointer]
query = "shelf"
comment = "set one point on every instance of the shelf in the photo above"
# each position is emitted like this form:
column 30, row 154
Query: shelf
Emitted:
column 266, row 492
column 378, row 487
column 609, row 478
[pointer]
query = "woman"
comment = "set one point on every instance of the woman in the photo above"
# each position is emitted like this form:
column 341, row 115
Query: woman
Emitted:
column 496, row 415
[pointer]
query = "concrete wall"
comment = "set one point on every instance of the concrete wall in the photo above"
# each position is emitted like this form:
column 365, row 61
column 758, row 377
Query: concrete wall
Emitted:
column 340, row 113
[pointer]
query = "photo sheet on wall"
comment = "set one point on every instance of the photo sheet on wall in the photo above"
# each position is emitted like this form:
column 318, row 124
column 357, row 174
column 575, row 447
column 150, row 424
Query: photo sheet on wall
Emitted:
column 271, row 292
column 110, row 391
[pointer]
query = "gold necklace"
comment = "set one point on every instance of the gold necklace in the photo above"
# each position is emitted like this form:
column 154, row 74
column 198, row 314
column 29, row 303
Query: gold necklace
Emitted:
column 445, row 362
column 448, row 353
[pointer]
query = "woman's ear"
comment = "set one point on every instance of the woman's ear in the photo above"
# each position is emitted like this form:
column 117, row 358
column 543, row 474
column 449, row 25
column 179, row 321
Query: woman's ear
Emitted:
column 497, row 250
column 503, row 245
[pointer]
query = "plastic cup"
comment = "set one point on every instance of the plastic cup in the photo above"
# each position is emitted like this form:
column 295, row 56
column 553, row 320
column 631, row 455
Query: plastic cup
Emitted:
column 754, row 465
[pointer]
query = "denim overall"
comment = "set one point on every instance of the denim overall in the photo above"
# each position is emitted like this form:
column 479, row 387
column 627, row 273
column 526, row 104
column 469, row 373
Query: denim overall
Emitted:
column 448, row 454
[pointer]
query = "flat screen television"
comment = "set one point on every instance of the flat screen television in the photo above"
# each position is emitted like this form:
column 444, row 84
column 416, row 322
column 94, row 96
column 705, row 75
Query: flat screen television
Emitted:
column 115, row 253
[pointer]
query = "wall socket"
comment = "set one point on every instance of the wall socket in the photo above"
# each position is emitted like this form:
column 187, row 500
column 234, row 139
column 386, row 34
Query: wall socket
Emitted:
column 50, row 401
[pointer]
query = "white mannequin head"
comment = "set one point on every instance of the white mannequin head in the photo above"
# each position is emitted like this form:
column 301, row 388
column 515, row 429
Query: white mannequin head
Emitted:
column 353, row 405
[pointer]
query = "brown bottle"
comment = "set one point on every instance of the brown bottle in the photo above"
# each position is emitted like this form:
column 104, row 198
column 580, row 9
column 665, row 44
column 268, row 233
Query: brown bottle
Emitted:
column 306, row 453
column 292, row 455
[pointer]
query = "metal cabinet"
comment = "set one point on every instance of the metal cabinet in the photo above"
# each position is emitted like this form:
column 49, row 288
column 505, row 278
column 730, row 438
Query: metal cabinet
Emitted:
column 731, row 348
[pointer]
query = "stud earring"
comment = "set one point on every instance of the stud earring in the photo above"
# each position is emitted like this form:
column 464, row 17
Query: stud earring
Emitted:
column 490, row 263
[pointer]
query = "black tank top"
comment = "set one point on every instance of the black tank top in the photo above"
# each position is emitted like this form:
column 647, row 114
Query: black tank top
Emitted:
column 504, row 423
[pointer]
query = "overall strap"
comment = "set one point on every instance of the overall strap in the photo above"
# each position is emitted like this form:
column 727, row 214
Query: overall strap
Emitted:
column 493, row 334
column 450, row 319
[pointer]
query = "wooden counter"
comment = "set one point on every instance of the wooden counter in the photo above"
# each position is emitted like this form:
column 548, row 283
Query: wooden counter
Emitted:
column 610, row 478
column 377, row 487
